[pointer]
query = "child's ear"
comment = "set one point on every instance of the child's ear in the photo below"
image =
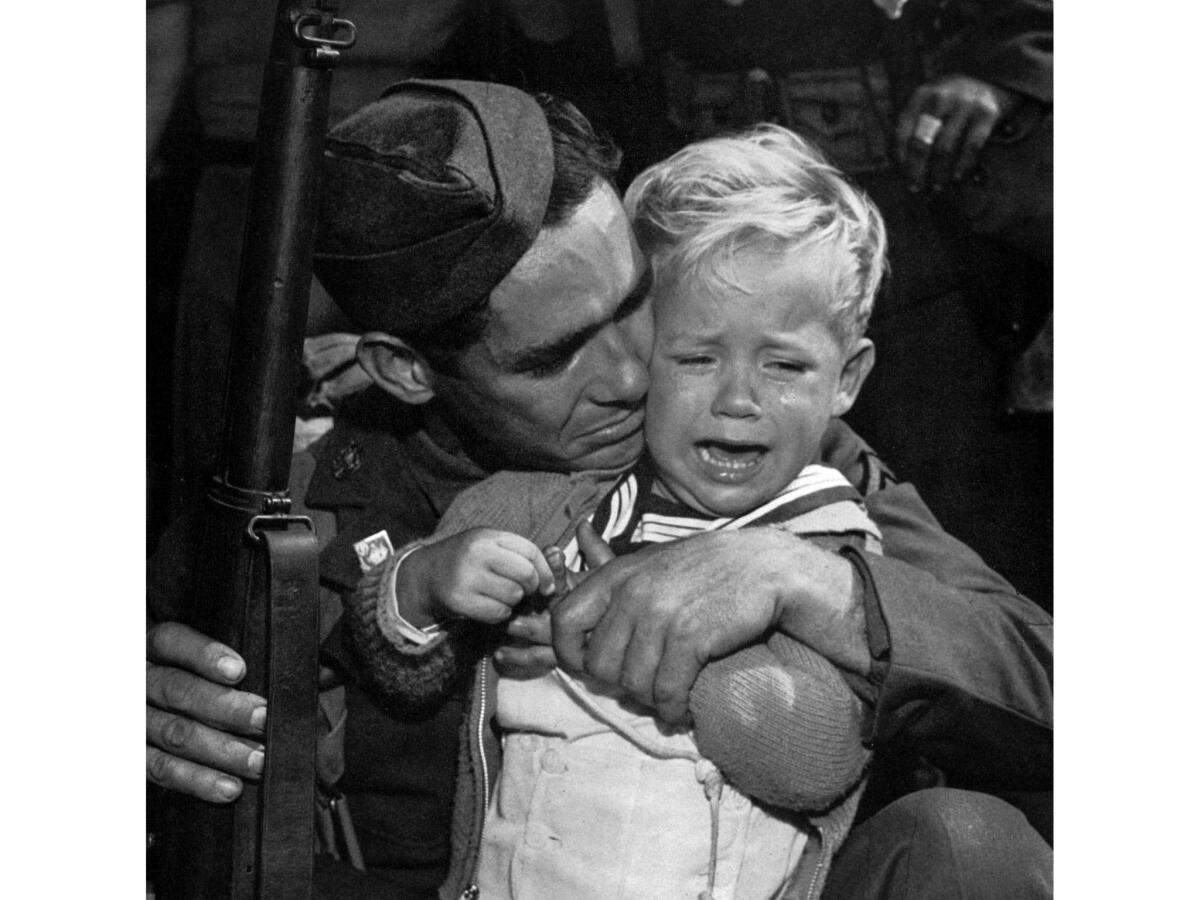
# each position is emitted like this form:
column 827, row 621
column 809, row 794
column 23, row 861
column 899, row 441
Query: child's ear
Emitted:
column 860, row 359
column 396, row 367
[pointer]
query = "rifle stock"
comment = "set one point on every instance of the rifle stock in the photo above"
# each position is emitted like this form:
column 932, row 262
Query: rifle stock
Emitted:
column 257, row 590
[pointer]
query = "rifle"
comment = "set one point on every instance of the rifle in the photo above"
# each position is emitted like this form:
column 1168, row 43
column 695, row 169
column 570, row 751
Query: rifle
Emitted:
column 258, row 592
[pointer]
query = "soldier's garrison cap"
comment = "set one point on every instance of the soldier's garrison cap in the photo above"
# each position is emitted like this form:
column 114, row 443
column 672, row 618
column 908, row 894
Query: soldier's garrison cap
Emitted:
column 430, row 196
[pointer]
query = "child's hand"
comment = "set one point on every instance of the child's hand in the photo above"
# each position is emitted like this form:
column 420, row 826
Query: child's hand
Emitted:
column 480, row 574
column 529, row 654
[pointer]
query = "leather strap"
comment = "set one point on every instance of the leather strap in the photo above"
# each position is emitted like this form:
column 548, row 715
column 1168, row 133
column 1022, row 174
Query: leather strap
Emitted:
column 288, row 785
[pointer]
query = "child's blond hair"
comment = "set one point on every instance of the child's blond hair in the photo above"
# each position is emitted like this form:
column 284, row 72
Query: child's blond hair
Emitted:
column 764, row 187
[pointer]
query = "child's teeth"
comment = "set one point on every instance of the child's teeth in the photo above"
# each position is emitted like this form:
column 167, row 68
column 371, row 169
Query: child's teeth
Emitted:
column 719, row 457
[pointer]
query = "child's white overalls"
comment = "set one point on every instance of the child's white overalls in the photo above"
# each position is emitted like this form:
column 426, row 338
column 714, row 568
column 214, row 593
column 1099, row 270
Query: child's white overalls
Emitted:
column 581, row 811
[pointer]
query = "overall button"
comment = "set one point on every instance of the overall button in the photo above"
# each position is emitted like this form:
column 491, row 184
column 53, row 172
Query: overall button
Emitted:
column 537, row 836
column 553, row 762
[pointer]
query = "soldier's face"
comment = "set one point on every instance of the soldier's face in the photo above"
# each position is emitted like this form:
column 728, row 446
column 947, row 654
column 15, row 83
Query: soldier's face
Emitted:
column 558, row 380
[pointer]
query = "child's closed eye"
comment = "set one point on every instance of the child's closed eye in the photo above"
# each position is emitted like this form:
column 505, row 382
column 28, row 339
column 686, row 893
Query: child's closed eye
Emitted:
column 788, row 366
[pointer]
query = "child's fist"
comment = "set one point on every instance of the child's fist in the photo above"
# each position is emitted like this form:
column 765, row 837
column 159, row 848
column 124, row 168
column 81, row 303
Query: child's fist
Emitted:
column 480, row 574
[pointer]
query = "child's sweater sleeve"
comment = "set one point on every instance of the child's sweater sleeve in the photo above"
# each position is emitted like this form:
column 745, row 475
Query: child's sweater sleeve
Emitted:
column 407, row 676
column 411, row 675
column 782, row 725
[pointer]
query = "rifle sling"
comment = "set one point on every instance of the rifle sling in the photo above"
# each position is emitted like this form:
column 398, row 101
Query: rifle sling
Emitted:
column 285, row 871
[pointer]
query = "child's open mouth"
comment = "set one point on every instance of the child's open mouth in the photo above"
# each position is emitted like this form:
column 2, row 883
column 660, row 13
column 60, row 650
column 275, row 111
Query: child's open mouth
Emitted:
column 730, row 461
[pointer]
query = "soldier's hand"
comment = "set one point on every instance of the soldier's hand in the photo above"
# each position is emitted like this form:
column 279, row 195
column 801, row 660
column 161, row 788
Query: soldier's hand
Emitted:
column 945, row 125
column 649, row 621
column 527, row 653
column 203, row 736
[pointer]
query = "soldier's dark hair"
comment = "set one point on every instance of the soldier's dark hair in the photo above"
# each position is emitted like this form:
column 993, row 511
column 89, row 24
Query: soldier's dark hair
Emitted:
column 582, row 157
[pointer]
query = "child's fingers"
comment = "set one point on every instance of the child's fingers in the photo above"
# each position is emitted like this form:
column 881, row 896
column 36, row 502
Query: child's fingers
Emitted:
column 490, row 598
column 535, row 575
column 517, row 570
column 505, row 588
column 557, row 561
column 488, row 611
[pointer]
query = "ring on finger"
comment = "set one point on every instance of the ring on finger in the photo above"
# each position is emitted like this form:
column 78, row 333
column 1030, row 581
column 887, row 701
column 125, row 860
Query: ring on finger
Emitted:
column 927, row 129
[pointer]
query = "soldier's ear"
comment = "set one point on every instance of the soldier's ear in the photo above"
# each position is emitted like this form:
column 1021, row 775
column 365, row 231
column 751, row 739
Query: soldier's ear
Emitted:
column 396, row 367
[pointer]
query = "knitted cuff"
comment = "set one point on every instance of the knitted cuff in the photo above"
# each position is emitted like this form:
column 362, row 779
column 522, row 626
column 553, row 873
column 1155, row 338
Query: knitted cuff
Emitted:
column 405, row 672
column 398, row 631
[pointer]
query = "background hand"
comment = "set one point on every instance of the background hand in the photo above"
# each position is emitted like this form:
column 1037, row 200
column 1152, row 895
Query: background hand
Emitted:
column 202, row 735
column 968, row 110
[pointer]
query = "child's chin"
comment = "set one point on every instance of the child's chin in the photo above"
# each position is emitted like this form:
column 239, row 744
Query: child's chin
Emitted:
column 734, row 500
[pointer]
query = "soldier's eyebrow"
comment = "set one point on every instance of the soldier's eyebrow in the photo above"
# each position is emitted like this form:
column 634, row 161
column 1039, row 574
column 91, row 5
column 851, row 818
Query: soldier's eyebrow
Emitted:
column 635, row 297
column 559, row 351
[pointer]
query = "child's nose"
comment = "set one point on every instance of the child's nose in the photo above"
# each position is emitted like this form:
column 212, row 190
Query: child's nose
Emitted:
column 737, row 396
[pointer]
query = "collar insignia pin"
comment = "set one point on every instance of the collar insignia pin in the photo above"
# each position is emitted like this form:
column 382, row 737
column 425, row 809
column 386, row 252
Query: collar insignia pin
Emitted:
column 347, row 461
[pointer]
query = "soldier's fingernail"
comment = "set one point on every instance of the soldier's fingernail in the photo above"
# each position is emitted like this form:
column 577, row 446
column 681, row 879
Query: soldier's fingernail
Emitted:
column 258, row 718
column 500, row 655
column 228, row 788
column 230, row 667
column 255, row 762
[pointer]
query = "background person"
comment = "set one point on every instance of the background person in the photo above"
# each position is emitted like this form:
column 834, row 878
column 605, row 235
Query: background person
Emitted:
column 941, row 111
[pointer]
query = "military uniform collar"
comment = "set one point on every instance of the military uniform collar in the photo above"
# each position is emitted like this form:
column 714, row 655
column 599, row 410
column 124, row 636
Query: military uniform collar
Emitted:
column 377, row 442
